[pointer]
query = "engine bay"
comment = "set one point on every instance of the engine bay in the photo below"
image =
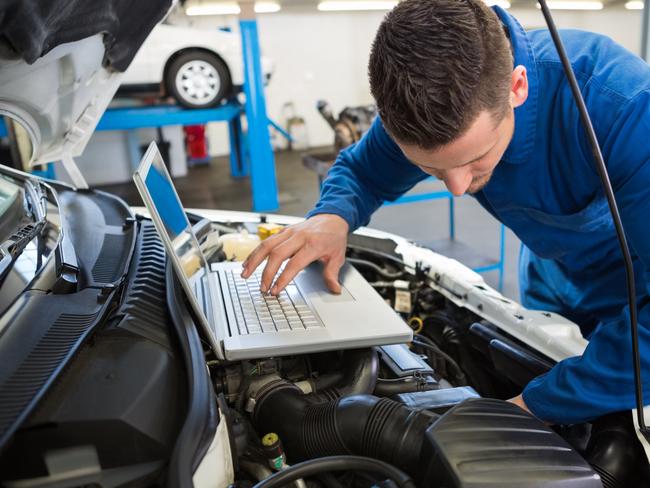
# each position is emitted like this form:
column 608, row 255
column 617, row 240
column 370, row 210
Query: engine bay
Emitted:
column 431, row 413
column 433, row 408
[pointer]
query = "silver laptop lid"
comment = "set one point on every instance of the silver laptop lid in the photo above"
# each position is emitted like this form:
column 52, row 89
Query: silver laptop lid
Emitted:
column 161, row 199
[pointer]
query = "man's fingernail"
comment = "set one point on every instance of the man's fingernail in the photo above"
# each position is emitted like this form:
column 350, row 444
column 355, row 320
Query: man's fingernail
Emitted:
column 274, row 290
column 263, row 288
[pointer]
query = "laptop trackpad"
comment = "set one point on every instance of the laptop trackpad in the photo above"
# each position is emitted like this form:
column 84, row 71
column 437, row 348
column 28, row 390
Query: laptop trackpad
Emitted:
column 312, row 286
column 330, row 297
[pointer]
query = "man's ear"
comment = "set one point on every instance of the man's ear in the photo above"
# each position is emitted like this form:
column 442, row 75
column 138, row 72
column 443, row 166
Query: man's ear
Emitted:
column 519, row 86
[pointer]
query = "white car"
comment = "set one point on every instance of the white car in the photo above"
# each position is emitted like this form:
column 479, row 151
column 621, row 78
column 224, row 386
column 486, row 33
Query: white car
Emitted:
column 198, row 67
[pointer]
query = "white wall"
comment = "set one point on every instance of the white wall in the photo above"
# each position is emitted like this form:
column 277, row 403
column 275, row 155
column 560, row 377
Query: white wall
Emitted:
column 323, row 55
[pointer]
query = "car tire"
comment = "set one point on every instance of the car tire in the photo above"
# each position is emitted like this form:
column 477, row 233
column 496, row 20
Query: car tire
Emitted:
column 197, row 79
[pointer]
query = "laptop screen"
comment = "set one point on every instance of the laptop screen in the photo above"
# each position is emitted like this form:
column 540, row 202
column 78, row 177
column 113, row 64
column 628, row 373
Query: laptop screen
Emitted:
column 168, row 206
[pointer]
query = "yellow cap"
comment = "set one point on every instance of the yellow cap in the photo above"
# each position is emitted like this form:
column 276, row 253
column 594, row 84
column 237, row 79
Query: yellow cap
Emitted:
column 267, row 230
column 269, row 439
column 416, row 324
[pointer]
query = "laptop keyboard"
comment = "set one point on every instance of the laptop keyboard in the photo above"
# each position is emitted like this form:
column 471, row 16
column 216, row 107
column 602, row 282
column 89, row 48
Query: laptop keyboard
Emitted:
column 257, row 313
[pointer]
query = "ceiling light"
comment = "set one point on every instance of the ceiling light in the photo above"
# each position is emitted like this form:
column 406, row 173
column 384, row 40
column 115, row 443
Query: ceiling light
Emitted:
column 499, row 3
column 222, row 8
column 634, row 5
column 230, row 8
column 571, row 5
column 267, row 7
column 338, row 5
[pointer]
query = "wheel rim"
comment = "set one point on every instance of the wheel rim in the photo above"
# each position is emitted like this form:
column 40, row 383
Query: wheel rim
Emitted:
column 198, row 82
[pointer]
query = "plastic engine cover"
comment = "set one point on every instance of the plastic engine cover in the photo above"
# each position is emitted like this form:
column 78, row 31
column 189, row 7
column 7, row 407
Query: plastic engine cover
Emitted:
column 484, row 443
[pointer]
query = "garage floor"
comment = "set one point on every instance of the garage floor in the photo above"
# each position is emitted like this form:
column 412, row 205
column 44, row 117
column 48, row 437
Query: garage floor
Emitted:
column 211, row 186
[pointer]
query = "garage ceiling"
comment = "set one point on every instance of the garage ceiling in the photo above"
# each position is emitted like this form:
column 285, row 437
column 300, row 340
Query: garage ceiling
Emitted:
column 227, row 7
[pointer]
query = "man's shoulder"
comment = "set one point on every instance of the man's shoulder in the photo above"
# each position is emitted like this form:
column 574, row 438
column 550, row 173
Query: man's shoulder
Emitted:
column 596, row 59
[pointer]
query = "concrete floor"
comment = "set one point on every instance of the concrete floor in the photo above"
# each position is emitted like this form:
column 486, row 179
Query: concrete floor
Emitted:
column 211, row 186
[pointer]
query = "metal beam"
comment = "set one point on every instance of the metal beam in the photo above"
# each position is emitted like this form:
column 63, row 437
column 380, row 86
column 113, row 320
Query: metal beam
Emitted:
column 645, row 38
column 262, row 160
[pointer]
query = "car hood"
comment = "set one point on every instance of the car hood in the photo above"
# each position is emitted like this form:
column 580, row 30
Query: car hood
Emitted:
column 61, row 62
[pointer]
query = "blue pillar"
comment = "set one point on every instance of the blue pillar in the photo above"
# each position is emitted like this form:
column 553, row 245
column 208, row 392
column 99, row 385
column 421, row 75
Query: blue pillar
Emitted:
column 238, row 156
column 262, row 161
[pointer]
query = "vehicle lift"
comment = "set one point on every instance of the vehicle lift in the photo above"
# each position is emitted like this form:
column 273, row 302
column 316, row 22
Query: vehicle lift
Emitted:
column 250, row 153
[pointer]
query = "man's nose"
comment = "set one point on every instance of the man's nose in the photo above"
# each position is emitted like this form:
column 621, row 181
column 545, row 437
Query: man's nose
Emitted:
column 458, row 180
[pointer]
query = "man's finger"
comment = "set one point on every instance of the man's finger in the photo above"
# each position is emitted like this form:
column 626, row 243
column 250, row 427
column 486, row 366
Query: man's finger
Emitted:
column 261, row 252
column 277, row 256
column 296, row 264
column 331, row 273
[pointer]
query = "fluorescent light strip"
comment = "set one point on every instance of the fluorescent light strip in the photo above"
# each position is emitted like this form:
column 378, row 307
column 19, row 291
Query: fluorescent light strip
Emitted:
column 267, row 7
column 577, row 5
column 341, row 6
column 230, row 8
column 634, row 5
column 223, row 8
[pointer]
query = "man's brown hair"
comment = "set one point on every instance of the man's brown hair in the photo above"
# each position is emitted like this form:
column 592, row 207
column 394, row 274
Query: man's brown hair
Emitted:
column 435, row 65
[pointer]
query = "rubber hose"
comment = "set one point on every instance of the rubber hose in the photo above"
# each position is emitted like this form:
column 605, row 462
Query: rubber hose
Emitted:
column 614, row 451
column 376, row 268
column 361, row 370
column 408, row 385
column 360, row 424
column 337, row 463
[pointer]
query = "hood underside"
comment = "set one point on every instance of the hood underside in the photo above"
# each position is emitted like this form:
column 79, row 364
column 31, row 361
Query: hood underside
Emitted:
column 60, row 65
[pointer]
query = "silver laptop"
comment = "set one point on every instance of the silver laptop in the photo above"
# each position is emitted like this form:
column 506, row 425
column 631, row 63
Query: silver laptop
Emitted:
column 239, row 321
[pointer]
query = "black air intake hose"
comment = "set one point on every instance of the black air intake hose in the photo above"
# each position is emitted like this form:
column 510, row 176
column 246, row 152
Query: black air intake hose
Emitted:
column 615, row 452
column 361, row 368
column 364, row 425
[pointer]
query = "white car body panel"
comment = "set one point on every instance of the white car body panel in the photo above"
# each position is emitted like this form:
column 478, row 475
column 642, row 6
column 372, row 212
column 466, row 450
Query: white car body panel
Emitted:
column 216, row 468
column 148, row 66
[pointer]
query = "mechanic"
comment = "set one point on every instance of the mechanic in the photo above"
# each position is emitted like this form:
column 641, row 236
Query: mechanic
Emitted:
column 453, row 103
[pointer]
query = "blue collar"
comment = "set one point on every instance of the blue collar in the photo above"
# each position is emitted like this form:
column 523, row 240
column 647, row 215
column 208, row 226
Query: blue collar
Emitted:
column 523, row 139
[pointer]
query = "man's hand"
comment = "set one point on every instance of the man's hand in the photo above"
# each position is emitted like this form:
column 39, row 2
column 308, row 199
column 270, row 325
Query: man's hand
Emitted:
column 322, row 236
column 519, row 401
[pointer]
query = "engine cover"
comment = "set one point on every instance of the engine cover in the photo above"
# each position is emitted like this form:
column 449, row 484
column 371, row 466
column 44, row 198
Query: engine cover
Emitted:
column 484, row 443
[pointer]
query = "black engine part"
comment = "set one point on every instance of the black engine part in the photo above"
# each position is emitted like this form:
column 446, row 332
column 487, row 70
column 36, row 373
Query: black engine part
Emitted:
column 115, row 416
column 616, row 454
column 484, row 443
column 359, row 424
column 437, row 401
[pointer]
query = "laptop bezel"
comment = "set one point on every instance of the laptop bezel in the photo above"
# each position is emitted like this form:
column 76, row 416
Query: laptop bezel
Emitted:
column 139, row 177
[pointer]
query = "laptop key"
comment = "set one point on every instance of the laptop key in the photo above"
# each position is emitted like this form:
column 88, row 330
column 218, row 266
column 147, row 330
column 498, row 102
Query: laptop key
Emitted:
column 282, row 325
column 268, row 327
column 296, row 324
column 295, row 295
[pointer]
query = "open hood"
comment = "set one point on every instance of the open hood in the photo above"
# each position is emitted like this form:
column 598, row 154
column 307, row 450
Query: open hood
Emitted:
column 61, row 63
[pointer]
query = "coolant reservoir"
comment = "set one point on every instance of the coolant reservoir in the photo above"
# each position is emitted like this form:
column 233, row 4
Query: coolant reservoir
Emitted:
column 239, row 245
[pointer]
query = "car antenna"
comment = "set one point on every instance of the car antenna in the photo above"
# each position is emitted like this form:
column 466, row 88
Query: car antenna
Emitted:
column 613, row 208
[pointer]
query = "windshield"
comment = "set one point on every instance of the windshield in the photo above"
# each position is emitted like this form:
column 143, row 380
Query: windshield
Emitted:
column 29, row 231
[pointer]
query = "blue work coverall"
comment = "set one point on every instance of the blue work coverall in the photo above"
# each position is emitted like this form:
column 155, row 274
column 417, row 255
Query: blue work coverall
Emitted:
column 547, row 191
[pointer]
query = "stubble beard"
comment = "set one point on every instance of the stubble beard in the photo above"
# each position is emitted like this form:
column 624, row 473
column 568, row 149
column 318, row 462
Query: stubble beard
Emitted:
column 479, row 183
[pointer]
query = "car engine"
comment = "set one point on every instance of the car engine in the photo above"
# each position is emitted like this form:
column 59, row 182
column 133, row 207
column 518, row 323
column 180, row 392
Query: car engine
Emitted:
column 431, row 413
column 434, row 408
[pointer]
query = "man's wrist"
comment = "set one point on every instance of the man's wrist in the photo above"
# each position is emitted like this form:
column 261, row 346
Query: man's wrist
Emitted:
column 329, row 212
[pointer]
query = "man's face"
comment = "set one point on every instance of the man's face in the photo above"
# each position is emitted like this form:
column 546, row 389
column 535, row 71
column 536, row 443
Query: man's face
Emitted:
column 466, row 164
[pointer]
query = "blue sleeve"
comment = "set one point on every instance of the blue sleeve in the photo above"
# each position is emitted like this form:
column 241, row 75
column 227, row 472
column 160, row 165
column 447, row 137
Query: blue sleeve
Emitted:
column 364, row 176
column 601, row 380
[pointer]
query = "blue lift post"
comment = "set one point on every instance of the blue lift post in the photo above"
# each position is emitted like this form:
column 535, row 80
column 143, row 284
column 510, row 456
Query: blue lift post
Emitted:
column 263, row 178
